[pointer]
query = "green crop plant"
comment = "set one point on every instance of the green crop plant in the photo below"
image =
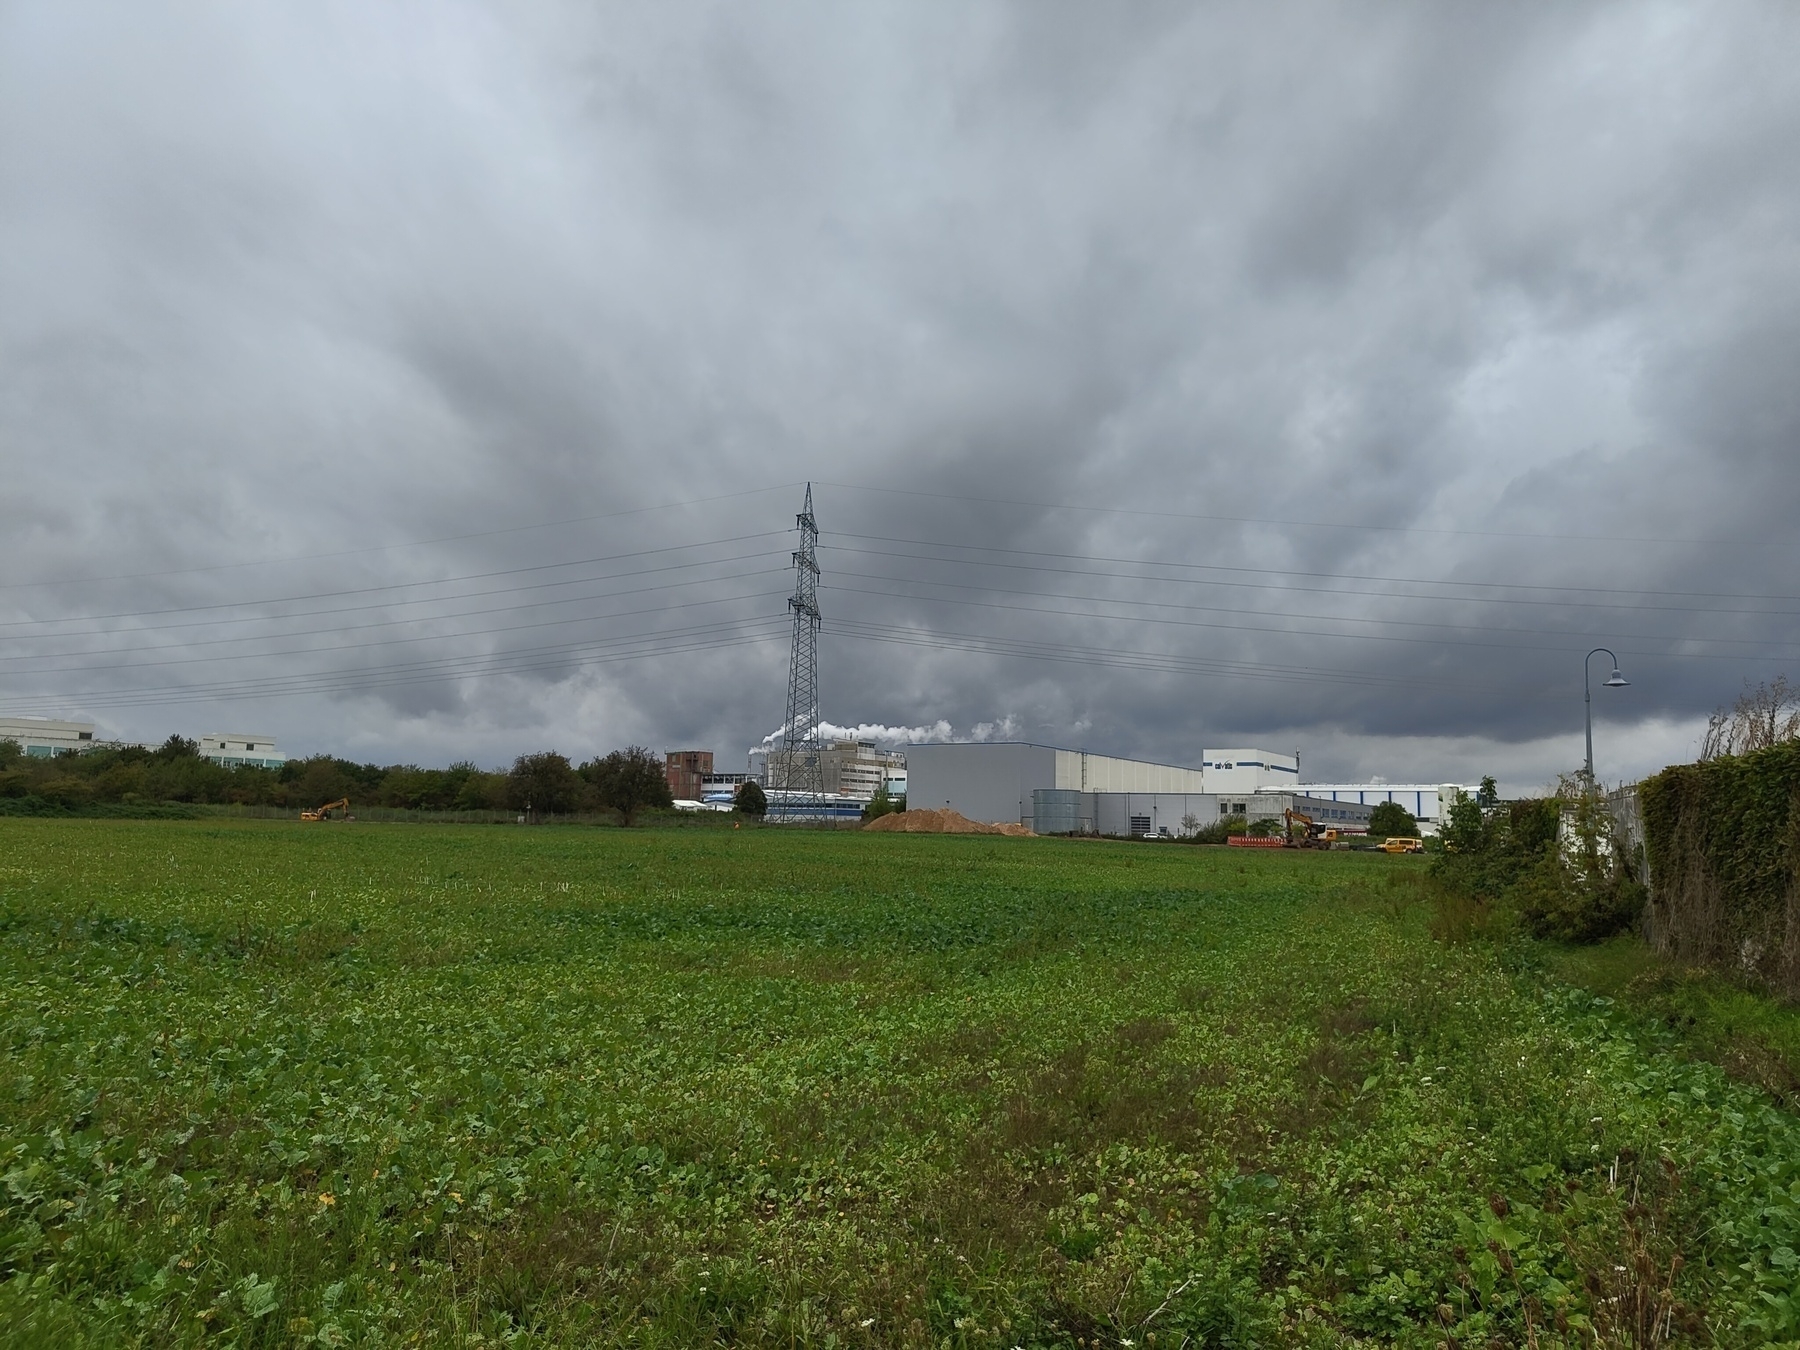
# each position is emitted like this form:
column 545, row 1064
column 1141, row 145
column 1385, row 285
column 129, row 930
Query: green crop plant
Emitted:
column 270, row 1084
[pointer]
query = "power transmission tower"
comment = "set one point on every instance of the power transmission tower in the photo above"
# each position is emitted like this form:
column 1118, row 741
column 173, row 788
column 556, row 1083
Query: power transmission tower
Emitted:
column 797, row 771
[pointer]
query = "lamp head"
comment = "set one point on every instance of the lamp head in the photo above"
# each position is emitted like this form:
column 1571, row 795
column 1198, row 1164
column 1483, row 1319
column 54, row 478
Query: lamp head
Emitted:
column 1617, row 681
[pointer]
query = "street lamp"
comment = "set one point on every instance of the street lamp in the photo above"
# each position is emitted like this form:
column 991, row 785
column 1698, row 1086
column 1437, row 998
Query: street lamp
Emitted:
column 1617, row 681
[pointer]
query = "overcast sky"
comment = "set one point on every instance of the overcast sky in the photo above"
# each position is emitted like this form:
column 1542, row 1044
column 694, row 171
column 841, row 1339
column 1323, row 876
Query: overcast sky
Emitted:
column 422, row 382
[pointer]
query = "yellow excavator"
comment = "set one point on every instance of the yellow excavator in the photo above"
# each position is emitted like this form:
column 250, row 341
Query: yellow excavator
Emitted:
column 324, row 812
column 1312, row 834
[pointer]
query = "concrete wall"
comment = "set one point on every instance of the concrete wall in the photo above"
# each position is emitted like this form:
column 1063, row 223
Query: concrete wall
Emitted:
column 989, row 783
column 1107, row 773
column 994, row 782
column 1155, row 812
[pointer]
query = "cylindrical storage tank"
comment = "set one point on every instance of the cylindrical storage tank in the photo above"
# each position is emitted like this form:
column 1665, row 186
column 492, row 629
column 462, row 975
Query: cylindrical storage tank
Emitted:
column 1055, row 810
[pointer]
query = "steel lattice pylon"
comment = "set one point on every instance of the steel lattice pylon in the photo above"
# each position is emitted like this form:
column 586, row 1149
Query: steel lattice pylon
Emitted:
column 796, row 771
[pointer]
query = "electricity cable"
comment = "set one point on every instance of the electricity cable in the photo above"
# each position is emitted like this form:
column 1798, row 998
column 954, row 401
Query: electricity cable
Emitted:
column 402, row 585
column 1277, row 571
column 385, row 548
column 1308, row 524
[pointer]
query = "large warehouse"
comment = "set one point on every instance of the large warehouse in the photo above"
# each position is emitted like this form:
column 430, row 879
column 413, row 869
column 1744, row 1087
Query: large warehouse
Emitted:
column 993, row 781
column 1059, row 791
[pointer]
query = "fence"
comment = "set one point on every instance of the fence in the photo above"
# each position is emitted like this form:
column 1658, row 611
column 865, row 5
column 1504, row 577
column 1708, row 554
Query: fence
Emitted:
column 397, row 815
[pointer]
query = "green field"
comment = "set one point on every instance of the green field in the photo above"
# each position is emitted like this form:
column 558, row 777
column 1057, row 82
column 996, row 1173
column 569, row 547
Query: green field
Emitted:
column 278, row 1085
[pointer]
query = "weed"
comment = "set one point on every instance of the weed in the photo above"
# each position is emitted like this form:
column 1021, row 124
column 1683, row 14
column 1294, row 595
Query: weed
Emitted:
column 438, row 1085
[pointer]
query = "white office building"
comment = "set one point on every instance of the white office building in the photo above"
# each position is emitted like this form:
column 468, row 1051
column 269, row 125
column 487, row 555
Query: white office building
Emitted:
column 241, row 750
column 44, row 737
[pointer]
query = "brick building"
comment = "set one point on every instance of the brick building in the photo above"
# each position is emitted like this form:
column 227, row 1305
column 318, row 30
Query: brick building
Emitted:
column 686, row 770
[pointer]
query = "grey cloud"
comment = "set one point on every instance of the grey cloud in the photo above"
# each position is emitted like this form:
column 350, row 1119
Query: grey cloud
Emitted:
column 1512, row 282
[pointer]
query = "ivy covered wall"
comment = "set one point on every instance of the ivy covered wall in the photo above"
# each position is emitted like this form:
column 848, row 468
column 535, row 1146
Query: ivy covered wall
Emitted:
column 1723, row 838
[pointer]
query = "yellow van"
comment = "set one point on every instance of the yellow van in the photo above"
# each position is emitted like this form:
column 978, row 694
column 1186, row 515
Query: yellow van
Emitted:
column 1403, row 844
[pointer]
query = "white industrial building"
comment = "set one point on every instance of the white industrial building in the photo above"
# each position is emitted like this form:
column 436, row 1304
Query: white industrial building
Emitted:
column 45, row 737
column 1058, row 791
column 858, row 770
column 241, row 750
column 1243, row 771
column 992, row 781
column 1175, row 814
column 1429, row 802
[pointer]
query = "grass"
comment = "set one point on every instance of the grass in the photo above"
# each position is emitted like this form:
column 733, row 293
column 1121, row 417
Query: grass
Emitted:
column 1755, row 1039
column 275, row 1085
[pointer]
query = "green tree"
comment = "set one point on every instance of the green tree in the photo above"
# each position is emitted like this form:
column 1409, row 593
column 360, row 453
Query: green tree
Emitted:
column 545, row 784
column 627, row 781
column 178, row 747
column 481, row 791
column 1390, row 819
column 750, row 800
column 883, row 805
column 318, row 780
column 1488, row 795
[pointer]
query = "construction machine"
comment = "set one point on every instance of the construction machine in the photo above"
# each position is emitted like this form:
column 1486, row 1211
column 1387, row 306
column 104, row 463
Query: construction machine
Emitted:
column 324, row 812
column 1312, row 834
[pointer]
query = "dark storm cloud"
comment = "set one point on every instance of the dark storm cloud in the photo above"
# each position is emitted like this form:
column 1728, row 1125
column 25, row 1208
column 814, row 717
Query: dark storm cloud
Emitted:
column 1357, row 301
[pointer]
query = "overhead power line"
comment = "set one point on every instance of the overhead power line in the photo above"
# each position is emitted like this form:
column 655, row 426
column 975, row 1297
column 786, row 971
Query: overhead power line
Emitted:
column 939, row 557
column 287, row 559
column 1367, row 620
column 1123, row 659
column 390, row 606
column 402, row 585
column 1311, row 524
column 378, row 642
column 522, row 660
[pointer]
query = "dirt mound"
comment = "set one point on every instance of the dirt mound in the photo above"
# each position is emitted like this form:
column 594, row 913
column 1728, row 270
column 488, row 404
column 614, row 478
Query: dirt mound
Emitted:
column 941, row 822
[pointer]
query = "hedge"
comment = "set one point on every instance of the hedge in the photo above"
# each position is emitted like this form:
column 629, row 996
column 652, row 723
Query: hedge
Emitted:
column 1723, row 839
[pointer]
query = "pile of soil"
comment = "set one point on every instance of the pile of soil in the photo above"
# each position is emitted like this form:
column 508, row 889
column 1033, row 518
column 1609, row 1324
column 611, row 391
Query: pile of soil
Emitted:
column 941, row 822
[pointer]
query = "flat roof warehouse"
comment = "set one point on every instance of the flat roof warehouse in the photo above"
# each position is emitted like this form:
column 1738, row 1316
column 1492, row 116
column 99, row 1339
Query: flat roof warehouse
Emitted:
column 1076, row 791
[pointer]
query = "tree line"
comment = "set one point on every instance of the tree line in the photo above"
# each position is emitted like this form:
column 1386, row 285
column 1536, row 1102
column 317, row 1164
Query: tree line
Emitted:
column 625, row 782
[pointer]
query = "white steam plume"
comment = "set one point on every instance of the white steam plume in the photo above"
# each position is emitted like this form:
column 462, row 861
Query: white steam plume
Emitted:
column 1004, row 729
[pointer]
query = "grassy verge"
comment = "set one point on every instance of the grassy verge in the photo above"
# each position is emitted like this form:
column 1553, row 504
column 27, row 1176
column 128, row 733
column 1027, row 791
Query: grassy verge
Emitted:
column 271, row 1084
column 1754, row 1038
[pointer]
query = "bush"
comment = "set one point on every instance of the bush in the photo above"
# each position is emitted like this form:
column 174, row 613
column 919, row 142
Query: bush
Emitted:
column 1392, row 820
column 1217, row 832
column 1555, row 863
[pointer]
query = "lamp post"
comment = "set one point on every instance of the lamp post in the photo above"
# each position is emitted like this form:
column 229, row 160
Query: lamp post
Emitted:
column 1617, row 681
